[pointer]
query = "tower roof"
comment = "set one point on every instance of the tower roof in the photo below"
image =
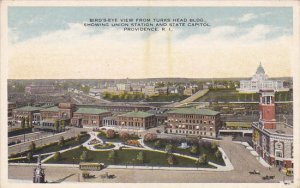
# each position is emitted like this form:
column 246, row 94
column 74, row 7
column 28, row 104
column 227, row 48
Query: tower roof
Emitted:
column 260, row 69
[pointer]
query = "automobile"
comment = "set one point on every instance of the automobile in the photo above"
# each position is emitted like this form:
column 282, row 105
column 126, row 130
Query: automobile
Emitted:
column 254, row 172
column 268, row 177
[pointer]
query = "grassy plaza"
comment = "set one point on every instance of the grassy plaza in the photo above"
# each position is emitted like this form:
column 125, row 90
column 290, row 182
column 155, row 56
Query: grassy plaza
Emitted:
column 125, row 157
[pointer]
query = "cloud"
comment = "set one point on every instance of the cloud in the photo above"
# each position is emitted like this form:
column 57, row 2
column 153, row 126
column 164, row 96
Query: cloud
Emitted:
column 79, row 52
column 246, row 18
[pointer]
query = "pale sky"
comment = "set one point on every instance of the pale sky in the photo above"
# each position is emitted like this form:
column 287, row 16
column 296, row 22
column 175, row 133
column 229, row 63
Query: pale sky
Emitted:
column 53, row 43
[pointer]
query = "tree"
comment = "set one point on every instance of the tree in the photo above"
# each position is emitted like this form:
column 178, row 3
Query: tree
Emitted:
column 26, row 122
column 169, row 148
column 150, row 137
column 203, row 159
column 29, row 156
column 112, row 155
column 141, row 157
column 78, row 138
column 32, row 146
column 110, row 133
column 61, row 141
column 55, row 126
column 23, row 122
column 84, row 156
column 57, row 156
column 214, row 145
column 171, row 159
column 124, row 136
column 157, row 144
column 62, row 123
column 218, row 154
column 194, row 149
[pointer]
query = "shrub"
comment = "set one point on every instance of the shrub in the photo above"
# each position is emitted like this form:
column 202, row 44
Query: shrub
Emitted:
column 32, row 146
column 157, row 144
column 133, row 143
column 171, row 159
column 218, row 154
column 84, row 156
column 141, row 157
column 169, row 148
column 214, row 145
column 124, row 136
column 57, row 156
column 29, row 156
column 112, row 155
column 110, row 133
column 61, row 141
column 150, row 137
column 194, row 149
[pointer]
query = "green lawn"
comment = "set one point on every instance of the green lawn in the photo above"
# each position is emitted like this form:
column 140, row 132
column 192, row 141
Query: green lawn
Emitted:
column 202, row 150
column 125, row 157
column 228, row 96
column 68, row 144
column 25, row 160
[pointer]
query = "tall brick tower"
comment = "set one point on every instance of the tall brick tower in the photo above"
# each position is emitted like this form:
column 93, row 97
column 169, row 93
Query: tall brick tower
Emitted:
column 267, row 116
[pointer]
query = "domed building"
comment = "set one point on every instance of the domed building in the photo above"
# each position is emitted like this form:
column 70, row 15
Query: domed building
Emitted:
column 260, row 80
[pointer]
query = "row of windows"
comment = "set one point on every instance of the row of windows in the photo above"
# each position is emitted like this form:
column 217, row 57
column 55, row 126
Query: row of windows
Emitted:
column 193, row 116
column 190, row 132
column 190, row 127
column 191, row 121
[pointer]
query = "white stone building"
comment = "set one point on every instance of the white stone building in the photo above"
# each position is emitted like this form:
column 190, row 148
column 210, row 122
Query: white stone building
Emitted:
column 261, row 81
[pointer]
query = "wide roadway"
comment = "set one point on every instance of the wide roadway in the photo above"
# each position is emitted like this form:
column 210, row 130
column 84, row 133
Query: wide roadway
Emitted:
column 241, row 158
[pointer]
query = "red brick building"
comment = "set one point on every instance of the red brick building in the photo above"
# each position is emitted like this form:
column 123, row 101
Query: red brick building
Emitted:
column 84, row 116
column 192, row 121
column 136, row 120
column 272, row 140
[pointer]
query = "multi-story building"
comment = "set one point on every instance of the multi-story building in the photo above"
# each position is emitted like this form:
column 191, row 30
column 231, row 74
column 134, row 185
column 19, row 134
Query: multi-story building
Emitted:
column 192, row 121
column 136, row 120
column 24, row 112
column 123, row 87
column 89, row 116
column 149, row 90
column 11, row 107
column 272, row 140
column 261, row 81
column 40, row 89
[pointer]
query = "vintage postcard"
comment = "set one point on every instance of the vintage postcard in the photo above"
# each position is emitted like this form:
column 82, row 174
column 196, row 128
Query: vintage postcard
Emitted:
column 150, row 92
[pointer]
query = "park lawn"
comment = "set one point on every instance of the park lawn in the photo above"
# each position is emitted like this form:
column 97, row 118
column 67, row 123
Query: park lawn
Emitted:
column 25, row 160
column 203, row 150
column 68, row 144
column 125, row 157
column 228, row 96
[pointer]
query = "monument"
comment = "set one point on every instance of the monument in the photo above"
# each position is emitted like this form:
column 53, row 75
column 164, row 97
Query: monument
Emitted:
column 39, row 172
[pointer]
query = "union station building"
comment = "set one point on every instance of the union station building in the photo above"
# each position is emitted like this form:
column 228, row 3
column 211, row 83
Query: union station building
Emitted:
column 272, row 140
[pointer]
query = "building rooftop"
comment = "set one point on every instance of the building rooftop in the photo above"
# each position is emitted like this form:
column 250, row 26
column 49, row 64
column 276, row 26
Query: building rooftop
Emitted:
column 282, row 128
column 205, row 112
column 29, row 108
column 51, row 109
column 138, row 114
column 90, row 111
